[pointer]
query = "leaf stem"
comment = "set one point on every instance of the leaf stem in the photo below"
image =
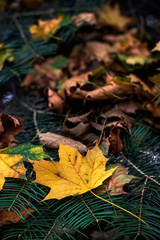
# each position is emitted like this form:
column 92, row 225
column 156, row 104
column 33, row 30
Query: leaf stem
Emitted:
column 125, row 210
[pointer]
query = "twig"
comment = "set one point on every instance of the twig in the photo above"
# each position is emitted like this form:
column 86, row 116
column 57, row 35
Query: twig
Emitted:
column 24, row 37
column 138, row 170
column 20, row 192
column 49, row 11
column 31, row 109
column 102, row 130
column 35, row 122
column 141, row 203
column 97, row 220
column 50, row 231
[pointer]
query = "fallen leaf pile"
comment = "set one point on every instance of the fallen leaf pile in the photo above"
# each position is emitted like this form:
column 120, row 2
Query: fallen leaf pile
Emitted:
column 104, row 66
column 105, row 72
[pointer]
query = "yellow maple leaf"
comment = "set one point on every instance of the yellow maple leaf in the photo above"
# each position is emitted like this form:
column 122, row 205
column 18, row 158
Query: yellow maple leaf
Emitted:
column 11, row 166
column 44, row 28
column 111, row 16
column 73, row 174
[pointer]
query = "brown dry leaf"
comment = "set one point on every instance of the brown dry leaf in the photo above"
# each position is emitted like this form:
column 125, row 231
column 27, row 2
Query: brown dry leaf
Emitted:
column 10, row 217
column 45, row 28
column 117, row 181
column 76, row 126
column 128, row 106
column 45, row 75
column 138, row 82
column 82, row 18
column 52, row 140
column 111, row 16
column 112, row 90
column 157, row 47
column 9, row 126
column 156, row 79
column 130, row 45
column 116, row 144
column 73, row 174
column 79, row 127
column 73, row 87
column 99, row 50
column 125, row 121
column 55, row 102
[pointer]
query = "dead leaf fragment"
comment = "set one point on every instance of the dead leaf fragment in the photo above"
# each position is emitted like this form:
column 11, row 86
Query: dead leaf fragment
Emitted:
column 115, row 140
column 55, row 102
column 9, row 217
column 82, row 18
column 73, row 174
column 118, row 179
column 52, row 140
column 9, row 126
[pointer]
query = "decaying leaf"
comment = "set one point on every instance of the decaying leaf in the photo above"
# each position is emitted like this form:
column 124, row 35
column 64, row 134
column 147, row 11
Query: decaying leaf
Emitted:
column 55, row 102
column 115, row 140
column 9, row 126
column 25, row 151
column 111, row 16
column 82, row 18
column 117, row 181
column 52, row 140
column 10, row 217
column 73, row 174
column 11, row 167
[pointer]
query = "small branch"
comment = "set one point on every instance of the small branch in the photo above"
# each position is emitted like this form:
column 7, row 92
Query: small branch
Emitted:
column 35, row 122
column 97, row 220
column 138, row 170
column 50, row 231
column 24, row 37
column 141, row 203
column 31, row 109
column 102, row 130
column 19, row 192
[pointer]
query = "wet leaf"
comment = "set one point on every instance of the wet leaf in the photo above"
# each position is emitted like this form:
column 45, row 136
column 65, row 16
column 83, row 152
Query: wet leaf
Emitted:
column 73, row 174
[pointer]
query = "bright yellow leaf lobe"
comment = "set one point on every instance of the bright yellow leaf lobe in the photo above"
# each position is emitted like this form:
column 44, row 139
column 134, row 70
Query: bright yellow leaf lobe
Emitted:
column 73, row 174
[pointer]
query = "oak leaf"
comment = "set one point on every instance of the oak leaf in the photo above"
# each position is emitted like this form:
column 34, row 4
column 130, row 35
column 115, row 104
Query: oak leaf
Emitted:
column 73, row 174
